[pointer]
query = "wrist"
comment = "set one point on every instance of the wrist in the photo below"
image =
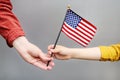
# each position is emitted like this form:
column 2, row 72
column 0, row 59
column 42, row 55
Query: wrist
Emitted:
column 20, row 41
column 71, row 53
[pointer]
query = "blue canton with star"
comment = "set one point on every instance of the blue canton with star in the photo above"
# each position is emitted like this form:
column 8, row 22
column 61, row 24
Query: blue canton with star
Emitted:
column 72, row 18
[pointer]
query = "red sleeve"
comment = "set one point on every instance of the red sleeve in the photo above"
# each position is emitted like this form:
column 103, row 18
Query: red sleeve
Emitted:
column 10, row 27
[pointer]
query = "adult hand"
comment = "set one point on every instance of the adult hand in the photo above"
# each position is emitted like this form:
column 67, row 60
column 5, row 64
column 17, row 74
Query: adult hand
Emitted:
column 32, row 54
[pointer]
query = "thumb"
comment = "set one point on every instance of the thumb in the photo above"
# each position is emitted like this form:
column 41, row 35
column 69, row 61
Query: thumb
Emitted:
column 55, row 51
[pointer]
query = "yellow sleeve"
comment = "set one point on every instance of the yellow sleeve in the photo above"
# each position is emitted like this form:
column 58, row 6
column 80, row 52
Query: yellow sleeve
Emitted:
column 110, row 53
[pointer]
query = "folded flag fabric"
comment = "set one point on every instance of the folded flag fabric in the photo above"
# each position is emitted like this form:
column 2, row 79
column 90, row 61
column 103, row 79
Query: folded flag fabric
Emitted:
column 78, row 29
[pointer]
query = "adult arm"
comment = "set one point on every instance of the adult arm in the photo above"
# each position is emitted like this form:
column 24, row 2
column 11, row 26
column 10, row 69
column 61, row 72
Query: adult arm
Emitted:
column 14, row 35
column 10, row 27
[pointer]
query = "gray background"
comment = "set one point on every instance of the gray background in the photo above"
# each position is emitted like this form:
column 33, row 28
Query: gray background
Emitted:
column 42, row 19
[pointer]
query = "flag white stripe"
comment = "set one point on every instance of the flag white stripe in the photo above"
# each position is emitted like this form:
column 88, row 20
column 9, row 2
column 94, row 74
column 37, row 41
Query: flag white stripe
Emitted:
column 88, row 25
column 79, row 32
column 74, row 38
column 75, row 33
column 86, row 28
column 84, row 32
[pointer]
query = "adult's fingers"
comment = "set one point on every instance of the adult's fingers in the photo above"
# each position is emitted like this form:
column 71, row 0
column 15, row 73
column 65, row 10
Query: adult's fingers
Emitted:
column 42, row 65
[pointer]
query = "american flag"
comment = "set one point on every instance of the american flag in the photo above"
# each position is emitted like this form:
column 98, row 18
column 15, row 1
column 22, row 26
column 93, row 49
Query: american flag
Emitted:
column 78, row 29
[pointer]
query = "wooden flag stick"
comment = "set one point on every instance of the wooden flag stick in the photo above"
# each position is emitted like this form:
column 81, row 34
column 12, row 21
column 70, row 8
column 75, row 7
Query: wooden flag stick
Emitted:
column 58, row 35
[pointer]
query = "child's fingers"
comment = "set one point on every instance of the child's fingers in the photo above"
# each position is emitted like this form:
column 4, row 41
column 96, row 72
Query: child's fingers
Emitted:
column 50, row 47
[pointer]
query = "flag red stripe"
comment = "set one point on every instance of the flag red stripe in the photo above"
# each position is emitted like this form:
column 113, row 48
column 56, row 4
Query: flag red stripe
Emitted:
column 89, row 23
column 85, row 29
column 84, row 33
column 76, row 33
column 72, row 37
column 84, row 24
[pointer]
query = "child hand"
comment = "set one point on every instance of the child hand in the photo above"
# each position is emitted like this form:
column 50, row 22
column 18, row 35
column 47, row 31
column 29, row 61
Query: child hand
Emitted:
column 60, row 52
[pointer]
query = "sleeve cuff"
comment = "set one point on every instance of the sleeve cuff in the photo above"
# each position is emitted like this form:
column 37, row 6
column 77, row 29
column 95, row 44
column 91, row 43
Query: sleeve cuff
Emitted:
column 14, row 34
